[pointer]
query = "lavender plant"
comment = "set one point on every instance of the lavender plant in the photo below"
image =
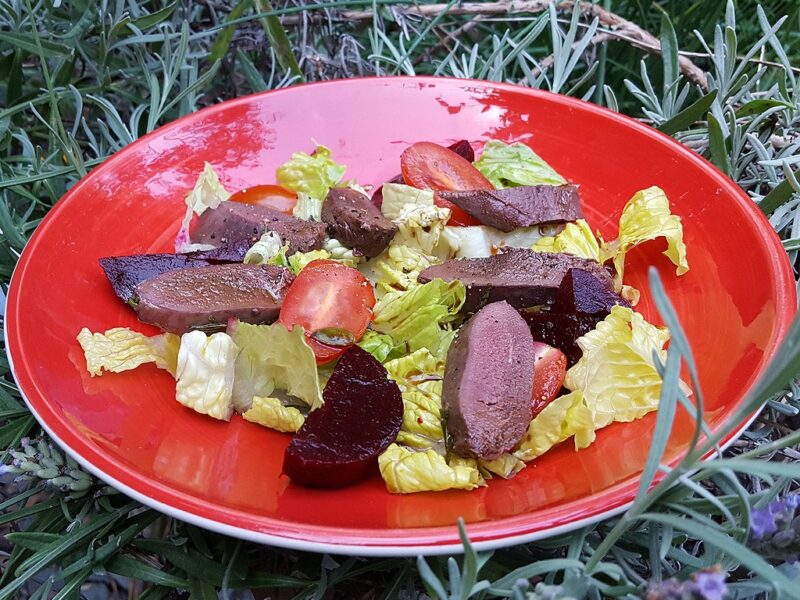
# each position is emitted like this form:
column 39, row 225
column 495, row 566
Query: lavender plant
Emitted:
column 80, row 80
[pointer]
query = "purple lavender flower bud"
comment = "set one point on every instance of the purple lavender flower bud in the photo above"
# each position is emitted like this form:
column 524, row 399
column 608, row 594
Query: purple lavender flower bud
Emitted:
column 775, row 530
column 762, row 522
column 707, row 584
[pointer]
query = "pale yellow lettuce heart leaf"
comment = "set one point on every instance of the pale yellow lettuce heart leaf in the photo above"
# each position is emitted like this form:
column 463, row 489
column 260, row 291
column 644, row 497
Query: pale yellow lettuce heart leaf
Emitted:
column 422, row 416
column 422, row 228
column 398, row 196
column 204, row 378
column 645, row 217
column 312, row 174
column 406, row 471
column 207, row 193
column 396, row 269
column 576, row 238
column 415, row 367
column 271, row 412
column 564, row 417
column 506, row 466
column 616, row 373
column 121, row 349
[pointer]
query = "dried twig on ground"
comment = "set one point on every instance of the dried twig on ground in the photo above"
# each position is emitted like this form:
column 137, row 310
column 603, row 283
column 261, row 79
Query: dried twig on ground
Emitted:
column 625, row 29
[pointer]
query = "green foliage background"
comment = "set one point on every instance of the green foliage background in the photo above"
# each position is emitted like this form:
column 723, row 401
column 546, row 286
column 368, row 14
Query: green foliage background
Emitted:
column 80, row 80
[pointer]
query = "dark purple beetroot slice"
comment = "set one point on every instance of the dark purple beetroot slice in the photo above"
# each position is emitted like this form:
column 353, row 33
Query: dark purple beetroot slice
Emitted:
column 561, row 330
column 581, row 292
column 232, row 253
column 126, row 272
column 462, row 147
column 339, row 443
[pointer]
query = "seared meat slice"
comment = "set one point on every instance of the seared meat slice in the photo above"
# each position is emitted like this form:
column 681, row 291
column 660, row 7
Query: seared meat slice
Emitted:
column 232, row 222
column 519, row 276
column 523, row 206
column 488, row 383
column 354, row 220
column 206, row 297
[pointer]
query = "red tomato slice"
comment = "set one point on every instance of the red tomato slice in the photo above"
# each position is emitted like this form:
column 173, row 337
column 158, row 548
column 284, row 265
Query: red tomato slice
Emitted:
column 429, row 166
column 549, row 369
column 272, row 196
column 329, row 300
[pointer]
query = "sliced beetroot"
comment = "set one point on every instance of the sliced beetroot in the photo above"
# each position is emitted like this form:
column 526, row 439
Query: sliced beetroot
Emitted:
column 124, row 273
column 231, row 253
column 561, row 330
column 581, row 292
column 339, row 443
column 462, row 147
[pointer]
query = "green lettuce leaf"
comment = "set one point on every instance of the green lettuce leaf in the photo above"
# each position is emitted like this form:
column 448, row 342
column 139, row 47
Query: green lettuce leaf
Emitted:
column 407, row 471
column 121, row 349
column 313, row 174
column 273, row 358
column 299, row 260
column 380, row 345
column 396, row 269
column 271, row 412
column 510, row 165
column 204, row 377
column 422, row 316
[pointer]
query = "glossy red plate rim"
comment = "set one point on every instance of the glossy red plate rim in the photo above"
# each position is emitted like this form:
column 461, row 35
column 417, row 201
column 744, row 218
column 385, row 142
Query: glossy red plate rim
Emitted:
column 430, row 541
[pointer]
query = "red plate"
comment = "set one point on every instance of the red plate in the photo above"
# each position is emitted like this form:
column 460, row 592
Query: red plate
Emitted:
column 736, row 303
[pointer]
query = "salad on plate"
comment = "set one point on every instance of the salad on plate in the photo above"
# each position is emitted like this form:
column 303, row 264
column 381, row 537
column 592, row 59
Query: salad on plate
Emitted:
column 450, row 327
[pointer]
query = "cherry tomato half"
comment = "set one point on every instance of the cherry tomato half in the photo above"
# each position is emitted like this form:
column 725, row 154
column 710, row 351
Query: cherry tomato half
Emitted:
column 332, row 302
column 549, row 369
column 429, row 166
column 271, row 196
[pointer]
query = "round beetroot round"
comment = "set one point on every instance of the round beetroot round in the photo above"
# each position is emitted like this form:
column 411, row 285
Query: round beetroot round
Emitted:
column 338, row 443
